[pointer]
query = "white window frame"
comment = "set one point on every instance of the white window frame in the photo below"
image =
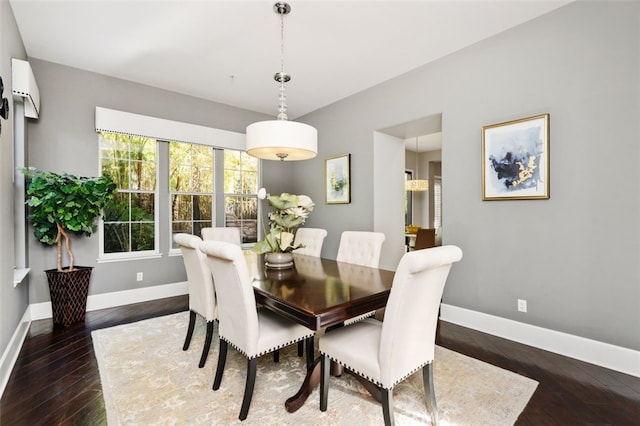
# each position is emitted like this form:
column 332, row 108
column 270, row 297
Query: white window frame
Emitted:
column 176, row 251
column 133, row 255
column 249, row 195
column 163, row 130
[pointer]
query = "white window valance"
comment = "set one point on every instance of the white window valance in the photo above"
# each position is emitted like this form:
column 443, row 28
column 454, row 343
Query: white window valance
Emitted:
column 111, row 120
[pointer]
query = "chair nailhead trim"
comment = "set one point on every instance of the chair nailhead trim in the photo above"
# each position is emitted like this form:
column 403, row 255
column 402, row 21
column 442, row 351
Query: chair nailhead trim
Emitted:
column 284, row 345
column 375, row 382
column 361, row 317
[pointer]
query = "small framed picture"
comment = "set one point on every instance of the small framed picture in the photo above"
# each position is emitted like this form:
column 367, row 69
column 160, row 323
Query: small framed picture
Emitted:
column 337, row 179
column 515, row 159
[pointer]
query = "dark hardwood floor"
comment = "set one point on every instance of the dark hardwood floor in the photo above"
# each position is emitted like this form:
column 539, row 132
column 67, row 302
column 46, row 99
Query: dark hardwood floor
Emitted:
column 56, row 379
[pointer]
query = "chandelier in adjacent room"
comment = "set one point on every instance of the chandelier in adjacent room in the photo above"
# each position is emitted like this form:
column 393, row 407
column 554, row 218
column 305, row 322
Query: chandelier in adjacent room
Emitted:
column 416, row 185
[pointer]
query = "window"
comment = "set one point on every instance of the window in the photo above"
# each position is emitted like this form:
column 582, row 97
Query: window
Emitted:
column 191, row 187
column 194, row 173
column 240, row 193
column 437, row 203
column 129, row 224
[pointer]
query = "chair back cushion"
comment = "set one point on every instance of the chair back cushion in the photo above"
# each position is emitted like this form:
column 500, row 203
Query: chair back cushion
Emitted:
column 407, row 342
column 312, row 238
column 360, row 247
column 202, row 296
column 228, row 234
column 236, row 300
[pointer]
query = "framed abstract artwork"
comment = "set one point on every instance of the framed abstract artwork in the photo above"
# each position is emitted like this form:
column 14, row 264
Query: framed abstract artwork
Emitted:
column 4, row 104
column 337, row 179
column 515, row 159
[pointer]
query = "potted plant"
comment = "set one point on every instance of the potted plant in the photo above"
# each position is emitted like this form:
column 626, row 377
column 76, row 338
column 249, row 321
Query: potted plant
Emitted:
column 289, row 212
column 61, row 205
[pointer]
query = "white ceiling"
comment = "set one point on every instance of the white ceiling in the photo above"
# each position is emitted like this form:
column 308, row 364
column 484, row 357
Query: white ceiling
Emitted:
column 424, row 143
column 228, row 51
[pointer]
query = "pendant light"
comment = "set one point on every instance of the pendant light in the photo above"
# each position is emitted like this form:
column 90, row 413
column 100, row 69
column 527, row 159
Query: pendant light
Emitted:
column 282, row 139
column 416, row 185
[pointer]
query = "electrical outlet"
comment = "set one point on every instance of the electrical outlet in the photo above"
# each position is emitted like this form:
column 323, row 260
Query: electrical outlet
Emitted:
column 522, row 305
column 139, row 276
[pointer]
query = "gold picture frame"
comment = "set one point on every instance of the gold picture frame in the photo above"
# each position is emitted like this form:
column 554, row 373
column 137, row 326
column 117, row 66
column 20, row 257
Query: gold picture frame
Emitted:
column 337, row 179
column 515, row 159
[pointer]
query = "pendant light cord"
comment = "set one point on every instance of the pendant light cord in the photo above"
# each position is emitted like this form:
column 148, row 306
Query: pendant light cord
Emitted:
column 280, row 138
column 282, row 77
column 417, row 169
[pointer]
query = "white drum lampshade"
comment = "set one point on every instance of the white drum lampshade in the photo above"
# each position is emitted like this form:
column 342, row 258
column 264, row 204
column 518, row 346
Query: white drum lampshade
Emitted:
column 282, row 140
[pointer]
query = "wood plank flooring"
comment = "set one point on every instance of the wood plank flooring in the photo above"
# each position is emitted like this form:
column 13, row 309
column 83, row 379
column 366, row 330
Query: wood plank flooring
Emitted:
column 56, row 379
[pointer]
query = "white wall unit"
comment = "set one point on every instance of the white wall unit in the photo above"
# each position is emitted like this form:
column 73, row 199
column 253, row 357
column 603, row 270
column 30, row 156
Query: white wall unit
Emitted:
column 25, row 87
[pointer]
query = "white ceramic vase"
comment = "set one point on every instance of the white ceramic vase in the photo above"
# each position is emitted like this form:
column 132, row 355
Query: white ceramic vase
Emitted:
column 278, row 260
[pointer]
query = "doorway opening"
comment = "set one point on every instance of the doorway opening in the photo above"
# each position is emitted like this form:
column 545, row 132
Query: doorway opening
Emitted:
column 409, row 149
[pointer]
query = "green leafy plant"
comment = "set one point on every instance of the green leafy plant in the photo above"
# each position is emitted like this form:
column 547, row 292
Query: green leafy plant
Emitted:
column 61, row 204
column 289, row 212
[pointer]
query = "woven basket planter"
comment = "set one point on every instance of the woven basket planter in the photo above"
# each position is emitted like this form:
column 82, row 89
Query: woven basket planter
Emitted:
column 69, row 291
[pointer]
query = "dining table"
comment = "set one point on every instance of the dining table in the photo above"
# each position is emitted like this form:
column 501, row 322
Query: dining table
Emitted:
column 320, row 294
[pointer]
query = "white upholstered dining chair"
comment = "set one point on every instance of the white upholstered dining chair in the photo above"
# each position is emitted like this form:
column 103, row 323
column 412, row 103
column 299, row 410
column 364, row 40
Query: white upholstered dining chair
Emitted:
column 229, row 234
column 360, row 248
column 253, row 332
column 387, row 352
column 202, row 296
column 312, row 239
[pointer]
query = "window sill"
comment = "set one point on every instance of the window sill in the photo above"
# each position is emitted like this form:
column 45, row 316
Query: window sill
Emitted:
column 19, row 274
column 128, row 258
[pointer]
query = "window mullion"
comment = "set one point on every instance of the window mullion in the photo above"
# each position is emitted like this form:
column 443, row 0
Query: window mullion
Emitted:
column 219, row 188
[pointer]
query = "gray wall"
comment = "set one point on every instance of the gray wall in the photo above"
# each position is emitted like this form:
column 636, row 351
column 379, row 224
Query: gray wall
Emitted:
column 574, row 257
column 388, row 207
column 64, row 140
column 13, row 301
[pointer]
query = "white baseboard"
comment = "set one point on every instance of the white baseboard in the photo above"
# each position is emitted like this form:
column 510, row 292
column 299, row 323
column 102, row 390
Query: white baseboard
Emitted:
column 117, row 298
column 603, row 354
column 599, row 353
column 12, row 350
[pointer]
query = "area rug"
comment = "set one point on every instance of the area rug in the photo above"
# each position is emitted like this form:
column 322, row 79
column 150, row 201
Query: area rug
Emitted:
column 147, row 379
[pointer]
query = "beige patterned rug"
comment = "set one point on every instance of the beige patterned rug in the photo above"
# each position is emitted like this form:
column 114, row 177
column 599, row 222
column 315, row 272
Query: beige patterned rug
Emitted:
column 147, row 379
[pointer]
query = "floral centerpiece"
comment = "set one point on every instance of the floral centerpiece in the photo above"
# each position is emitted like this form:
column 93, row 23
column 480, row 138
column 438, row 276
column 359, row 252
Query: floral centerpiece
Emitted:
column 289, row 212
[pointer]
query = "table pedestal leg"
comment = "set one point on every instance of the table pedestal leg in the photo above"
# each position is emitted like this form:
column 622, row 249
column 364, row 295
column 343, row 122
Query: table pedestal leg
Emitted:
column 373, row 389
column 312, row 380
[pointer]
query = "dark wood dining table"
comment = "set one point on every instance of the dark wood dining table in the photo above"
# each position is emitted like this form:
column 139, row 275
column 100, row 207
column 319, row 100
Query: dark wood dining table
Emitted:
column 318, row 293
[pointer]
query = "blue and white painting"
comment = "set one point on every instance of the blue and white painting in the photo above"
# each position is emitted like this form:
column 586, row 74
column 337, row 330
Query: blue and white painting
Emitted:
column 515, row 156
